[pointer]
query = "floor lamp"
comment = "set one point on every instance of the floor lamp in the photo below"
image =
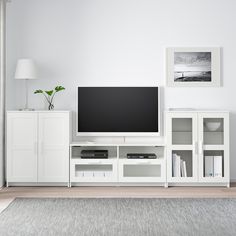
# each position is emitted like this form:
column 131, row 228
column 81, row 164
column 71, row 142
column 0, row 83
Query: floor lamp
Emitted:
column 26, row 70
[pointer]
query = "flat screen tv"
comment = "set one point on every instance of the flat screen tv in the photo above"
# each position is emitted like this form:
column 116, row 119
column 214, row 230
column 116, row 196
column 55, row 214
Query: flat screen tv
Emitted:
column 118, row 111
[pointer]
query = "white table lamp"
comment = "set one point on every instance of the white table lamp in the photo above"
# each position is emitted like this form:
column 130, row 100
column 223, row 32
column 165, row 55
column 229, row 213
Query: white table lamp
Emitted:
column 26, row 70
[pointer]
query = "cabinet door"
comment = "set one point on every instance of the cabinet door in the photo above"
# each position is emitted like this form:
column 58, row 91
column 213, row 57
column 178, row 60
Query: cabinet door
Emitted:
column 22, row 147
column 182, row 156
column 214, row 146
column 53, row 161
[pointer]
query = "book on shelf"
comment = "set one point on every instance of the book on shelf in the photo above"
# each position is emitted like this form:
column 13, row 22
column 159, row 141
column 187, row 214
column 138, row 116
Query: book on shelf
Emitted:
column 181, row 168
column 184, row 167
column 213, row 166
column 218, row 166
column 209, row 166
column 178, row 166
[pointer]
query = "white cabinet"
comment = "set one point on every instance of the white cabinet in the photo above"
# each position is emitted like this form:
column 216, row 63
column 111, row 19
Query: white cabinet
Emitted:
column 200, row 140
column 117, row 168
column 38, row 146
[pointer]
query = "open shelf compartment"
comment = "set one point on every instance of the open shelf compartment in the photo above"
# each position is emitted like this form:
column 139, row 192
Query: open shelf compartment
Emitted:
column 213, row 164
column 182, row 163
column 76, row 151
column 124, row 150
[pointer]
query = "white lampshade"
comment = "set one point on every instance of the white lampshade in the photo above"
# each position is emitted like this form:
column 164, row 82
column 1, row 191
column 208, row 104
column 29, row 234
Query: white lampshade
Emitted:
column 25, row 69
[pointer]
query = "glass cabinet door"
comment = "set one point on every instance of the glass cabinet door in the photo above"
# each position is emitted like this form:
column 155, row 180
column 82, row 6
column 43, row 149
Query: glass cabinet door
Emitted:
column 213, row 153
column 182, row 143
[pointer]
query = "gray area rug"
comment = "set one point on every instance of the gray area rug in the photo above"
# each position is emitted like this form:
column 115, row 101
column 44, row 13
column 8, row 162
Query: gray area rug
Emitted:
column 135, row 217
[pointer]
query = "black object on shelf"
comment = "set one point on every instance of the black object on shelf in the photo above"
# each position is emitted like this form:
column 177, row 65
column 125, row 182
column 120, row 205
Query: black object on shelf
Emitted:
column 141, row 156
column 94, row 154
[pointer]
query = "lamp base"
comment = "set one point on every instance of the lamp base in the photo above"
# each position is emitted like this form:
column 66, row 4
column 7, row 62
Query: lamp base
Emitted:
column 26, row 109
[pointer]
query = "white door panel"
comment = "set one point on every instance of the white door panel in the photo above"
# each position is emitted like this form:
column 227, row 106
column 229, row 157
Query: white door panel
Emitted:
column 53, row 147
column 21, row 147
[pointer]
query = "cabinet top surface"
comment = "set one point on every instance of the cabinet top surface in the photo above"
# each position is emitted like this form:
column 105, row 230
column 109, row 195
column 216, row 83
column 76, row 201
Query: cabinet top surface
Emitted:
column 114, row 144
column 43, row 111
column 195, row 110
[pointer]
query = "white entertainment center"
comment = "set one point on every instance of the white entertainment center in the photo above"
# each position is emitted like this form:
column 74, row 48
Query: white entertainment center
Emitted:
column 40, row 152
column 117, row 169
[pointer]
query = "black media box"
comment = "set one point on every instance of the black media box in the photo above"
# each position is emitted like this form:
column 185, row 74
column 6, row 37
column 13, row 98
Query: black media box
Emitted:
column 94, row 154
column 141, row 156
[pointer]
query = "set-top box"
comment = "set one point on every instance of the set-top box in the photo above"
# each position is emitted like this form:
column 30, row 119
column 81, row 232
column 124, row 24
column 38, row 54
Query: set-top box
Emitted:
column 94, row 154
column 141, row 156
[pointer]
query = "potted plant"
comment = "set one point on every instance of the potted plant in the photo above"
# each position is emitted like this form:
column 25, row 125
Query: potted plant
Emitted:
column 49, row 95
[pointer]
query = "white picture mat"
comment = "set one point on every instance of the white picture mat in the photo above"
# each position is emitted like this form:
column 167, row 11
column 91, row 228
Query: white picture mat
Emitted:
column 215, row 67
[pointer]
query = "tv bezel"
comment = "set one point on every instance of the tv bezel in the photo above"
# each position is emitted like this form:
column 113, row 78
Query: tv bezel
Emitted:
column 120, row 134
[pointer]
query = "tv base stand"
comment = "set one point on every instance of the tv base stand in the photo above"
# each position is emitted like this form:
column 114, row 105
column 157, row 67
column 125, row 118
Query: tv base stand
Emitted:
column 117, row 170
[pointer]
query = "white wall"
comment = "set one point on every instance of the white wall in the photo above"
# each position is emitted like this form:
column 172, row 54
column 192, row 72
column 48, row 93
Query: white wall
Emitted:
column 119, row 42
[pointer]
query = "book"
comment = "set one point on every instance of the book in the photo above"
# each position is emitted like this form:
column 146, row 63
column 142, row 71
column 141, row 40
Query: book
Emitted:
column 181, row 168
column 184, row 168
column 218, row 166
column 176, row 165
column 209, row 166
column 178, row 170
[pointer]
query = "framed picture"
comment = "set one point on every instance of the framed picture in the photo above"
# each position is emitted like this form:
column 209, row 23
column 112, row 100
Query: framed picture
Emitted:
column 193, row 67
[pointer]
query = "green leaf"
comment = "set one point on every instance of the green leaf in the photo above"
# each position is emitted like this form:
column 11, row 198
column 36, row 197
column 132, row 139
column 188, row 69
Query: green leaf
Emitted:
column 49, row 93
column 59, row 88
column 38, row 91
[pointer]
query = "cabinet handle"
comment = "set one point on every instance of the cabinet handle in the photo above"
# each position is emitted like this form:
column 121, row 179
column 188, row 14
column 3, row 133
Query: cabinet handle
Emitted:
column 195, row 148
column 35, row 148
column 200, row 147
column 41, row 147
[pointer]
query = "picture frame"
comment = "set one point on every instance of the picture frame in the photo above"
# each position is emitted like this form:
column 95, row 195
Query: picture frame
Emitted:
column 193, row 67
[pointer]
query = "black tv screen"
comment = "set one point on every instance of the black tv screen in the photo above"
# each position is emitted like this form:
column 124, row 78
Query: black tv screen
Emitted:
column 118, row 109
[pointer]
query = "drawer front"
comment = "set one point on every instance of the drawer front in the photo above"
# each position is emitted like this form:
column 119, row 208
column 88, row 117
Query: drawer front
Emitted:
column 142, row 171
column 93, row 171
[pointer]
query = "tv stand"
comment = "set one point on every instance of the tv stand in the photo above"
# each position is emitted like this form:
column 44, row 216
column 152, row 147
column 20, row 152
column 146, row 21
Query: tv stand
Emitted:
column 117, row 170
column 38, row 144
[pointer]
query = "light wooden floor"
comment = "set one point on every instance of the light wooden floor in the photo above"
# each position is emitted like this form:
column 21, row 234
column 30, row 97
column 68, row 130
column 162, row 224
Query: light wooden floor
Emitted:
column 7, row 195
